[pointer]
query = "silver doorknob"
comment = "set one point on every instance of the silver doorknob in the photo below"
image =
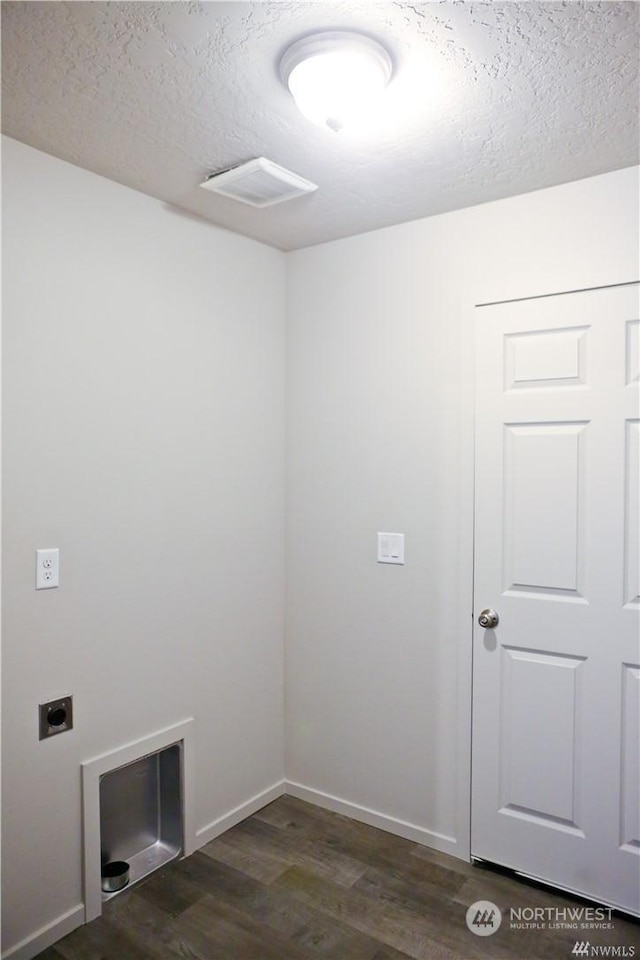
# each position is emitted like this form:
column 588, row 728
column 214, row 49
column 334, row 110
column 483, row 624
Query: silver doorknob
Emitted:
column 488, row 619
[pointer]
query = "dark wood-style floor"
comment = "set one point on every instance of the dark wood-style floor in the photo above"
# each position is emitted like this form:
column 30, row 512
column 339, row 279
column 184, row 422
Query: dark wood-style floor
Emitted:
column 294, row 882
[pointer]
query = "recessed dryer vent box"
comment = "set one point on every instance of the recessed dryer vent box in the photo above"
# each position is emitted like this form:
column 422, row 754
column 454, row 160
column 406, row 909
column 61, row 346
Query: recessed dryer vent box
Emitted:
column 141, row 813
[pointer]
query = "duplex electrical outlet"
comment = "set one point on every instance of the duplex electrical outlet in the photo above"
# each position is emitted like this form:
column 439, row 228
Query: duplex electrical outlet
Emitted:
column 47, row 568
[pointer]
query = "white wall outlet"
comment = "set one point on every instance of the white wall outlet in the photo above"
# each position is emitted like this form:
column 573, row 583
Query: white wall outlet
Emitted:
column 47, row 568
column 391, row 548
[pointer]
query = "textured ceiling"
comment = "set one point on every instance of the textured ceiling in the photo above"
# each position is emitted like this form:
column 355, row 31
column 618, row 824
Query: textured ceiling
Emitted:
column 488, row 100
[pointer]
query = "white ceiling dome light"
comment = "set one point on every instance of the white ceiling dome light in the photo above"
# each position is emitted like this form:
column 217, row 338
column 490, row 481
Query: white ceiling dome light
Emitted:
column 336, row 78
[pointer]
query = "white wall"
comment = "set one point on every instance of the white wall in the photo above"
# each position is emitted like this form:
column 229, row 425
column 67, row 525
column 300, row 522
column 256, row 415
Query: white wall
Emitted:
column 143, row 435
column 380, row 409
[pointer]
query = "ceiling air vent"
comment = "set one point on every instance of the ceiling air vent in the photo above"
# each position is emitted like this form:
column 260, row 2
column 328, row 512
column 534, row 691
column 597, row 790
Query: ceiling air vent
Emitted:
column 259, row 183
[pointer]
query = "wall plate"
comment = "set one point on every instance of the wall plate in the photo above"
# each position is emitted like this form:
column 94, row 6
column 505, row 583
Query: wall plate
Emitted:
column 390, row 548
column 55, row 716
column 47, row 568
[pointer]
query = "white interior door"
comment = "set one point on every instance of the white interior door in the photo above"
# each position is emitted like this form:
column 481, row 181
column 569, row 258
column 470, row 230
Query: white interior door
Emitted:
column 556, row 684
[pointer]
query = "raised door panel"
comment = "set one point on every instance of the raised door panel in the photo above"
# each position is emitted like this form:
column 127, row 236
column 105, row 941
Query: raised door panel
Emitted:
column 633, row 351
column 543, row 505
column 632, row 514
column 630, row 767
column 546, row 359
column 541, row 732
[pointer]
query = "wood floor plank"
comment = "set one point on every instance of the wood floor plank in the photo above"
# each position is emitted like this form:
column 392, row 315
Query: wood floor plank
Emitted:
column 290, row 813
column 386, row 922
column 167, row 891
column 257, row 864
column 226, row 931
column 360, row 842
column 388, row 953
column 79, row 945
column 320, row 859
column 455, row 864
column 106, row 940
column 210, row 875
column 284, row 915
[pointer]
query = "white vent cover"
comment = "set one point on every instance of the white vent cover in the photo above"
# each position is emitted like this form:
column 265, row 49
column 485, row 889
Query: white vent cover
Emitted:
column 259, row 182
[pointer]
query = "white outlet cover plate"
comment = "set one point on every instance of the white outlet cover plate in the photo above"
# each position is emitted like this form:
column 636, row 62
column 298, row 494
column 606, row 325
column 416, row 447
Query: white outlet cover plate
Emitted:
column 391, row 548
column 47, row 568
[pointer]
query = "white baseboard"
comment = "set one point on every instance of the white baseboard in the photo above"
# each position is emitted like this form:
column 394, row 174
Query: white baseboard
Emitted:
column 214, row 829
column 36, row 942
column 410, row 831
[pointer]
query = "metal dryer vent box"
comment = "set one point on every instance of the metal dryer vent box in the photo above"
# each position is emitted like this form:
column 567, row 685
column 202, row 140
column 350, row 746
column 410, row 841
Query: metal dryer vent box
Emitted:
column 141, row 819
